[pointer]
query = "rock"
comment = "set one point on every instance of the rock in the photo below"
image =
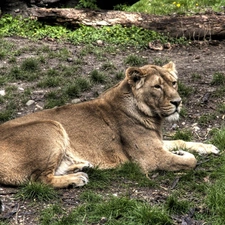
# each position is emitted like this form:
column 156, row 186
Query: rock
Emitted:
column 17, row 10
column 75, row 101
column 20, row 89
column 2, row 92
column 69, row 59
column 30, row 102
column 99, row 42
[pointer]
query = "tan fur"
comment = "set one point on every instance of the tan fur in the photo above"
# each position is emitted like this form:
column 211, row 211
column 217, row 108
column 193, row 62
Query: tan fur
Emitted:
column 123, row 124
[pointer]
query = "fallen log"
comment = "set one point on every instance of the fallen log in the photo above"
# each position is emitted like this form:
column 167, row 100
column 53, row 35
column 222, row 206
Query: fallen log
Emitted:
column 209, row 26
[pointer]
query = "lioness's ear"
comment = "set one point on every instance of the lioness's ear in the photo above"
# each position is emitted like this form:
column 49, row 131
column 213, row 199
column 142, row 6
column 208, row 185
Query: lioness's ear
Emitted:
column 135, row 77
column 171, row 67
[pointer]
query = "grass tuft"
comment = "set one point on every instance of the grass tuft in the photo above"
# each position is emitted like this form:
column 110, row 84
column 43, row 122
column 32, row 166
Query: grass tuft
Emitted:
column 98, row 77
column 185, row 135
column 37, row 192
column 30, row 65
column 134, row 60
column 218, row 79
column 176, row 206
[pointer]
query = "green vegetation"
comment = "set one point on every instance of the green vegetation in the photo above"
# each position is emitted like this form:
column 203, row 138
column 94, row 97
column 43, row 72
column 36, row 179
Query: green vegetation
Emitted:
column 36, row 192
column 134, row 60
column 205, row 119
column 185, row 135
column 176, row 206
column 98, row 77
column 218, row 79
column 112, row 211
column 184, row 90
column 117, row 34
column 166, row 7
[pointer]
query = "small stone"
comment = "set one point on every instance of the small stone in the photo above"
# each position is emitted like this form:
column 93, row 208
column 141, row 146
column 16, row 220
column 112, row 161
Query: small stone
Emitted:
column 17, row 10
column 69, row 59
column 2, row 92
column 30, row 102
column 20, row 89
column 75, row 101
column 99, row 42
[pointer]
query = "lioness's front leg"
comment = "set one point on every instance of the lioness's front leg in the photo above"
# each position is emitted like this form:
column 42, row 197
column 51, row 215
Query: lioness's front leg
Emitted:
column 191, row 146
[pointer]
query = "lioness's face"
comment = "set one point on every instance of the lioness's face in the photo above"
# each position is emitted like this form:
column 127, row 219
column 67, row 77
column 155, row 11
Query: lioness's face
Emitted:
column 155, row 90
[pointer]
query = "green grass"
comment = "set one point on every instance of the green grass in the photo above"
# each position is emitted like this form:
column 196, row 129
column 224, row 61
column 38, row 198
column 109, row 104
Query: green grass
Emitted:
column 36, row 192
column 114, row 211
column 165, row 7
column 206, row 118
column 134, row 60
column 184, row 90
column 218, row 79
column 176, row 206
column 98, row 77
column 116, row 35
column 185, row 135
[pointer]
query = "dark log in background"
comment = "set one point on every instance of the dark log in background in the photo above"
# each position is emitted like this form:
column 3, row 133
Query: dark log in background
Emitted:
column 198, row 27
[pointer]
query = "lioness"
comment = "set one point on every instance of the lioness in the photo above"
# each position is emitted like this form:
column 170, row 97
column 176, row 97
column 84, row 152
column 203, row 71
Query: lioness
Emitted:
column 123, row 124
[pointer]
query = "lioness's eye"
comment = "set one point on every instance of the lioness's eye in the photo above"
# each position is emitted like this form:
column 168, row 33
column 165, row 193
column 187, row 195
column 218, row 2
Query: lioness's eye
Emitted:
column 174, row 83
column 157, row 86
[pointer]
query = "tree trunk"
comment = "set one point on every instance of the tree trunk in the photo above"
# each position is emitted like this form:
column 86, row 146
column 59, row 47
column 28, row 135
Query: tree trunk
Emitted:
column 192, row 27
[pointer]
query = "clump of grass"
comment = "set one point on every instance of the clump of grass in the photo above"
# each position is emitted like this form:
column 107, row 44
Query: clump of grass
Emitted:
column 176, row 206
column 196, row 76
column 134, row 60
column 108, row 66
column 120, row 75
column 206, row 118
column 17, row 73
column 37, row 192
column 160, row 61
column 215, row 200
column 218, row 138
column 7, row 114
column 72, row 90
column 185, row 135
column 50, row 81
column 83, row 84
column 221, row 108
column 90, row 196
column 184, row 90
column 218, row 79
column 30, row 65
column 55, row 98
column 98, row 77
column 220, row 91
column 183, row 112
column 51, row 214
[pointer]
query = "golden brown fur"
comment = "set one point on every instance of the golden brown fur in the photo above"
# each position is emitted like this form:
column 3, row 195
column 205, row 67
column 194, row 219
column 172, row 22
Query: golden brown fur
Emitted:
column 123, row 124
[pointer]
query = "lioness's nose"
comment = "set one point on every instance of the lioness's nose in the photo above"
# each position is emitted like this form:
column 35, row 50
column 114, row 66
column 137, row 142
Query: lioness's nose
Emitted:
column 176, row 102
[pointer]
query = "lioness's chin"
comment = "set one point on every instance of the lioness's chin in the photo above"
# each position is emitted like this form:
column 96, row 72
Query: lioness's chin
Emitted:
column 173, row 117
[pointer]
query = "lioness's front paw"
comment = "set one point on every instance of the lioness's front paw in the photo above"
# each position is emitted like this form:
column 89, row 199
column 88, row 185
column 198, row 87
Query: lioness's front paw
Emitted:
column 81, row 179
column 204, row 149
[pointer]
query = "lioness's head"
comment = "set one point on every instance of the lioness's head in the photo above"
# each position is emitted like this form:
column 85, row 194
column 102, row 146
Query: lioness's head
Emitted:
column 155, row 90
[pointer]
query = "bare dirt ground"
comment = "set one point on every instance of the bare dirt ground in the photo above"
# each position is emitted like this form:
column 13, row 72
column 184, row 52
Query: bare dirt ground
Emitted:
column 196, row 65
